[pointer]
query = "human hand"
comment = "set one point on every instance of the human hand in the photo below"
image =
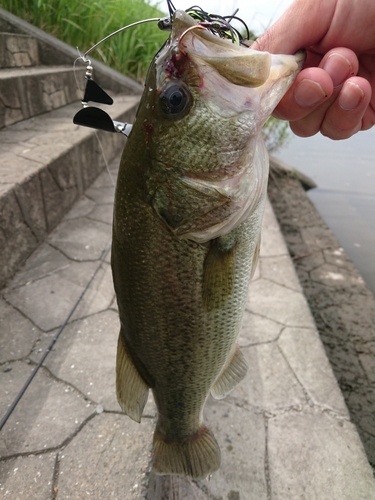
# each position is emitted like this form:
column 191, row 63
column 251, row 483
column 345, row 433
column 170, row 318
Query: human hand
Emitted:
column 335, row 91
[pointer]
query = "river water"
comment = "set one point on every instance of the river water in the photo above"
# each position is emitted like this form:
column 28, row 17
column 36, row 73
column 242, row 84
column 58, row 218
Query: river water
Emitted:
column 345, row 197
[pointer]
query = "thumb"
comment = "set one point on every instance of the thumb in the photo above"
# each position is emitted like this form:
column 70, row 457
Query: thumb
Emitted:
column 303, row 24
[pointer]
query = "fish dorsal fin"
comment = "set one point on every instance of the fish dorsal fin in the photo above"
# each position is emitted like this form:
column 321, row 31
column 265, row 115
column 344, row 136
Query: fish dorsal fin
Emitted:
column 131, row 389
column 231, row 376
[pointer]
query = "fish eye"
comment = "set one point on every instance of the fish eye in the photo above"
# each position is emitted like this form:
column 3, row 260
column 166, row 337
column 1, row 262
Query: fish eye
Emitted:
column 174, row 100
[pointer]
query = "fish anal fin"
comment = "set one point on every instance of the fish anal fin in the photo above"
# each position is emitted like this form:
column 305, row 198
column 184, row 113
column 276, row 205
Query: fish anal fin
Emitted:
column 231, row 376
column 195, row 457
column 131, row 389
column 218, row 274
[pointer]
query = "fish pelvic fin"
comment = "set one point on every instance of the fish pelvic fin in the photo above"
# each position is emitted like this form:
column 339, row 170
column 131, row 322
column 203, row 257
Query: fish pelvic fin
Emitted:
column 195, row 457
column 131, row 389
column 231, row 376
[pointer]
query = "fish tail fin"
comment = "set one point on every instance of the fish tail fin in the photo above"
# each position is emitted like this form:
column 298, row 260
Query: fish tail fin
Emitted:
column 131, row 389
column 196, row 457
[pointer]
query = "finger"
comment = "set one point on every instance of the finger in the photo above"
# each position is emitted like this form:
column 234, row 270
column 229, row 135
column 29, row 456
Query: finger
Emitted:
column 311, row 88
column 309, row 109
column 340, row 63
column 344, row 117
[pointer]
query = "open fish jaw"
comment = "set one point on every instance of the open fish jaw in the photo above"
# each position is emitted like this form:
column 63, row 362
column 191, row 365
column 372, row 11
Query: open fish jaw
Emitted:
column 220, row 134
column 188, row 210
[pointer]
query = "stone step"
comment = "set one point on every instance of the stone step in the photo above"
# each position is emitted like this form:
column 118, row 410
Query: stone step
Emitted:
column 47, row 163
column 17, row 51
column 27, row 92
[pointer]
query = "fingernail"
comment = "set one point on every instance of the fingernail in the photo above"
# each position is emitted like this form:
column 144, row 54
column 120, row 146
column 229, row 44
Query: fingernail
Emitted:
column 309, row 93
column 339, row 68
column 350, row 96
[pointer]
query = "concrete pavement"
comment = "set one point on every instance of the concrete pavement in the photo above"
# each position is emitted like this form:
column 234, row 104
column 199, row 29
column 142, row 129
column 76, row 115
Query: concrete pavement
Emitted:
column 284, row 432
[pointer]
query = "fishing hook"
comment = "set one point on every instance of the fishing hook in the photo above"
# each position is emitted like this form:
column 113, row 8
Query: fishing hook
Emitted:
column 195, row 27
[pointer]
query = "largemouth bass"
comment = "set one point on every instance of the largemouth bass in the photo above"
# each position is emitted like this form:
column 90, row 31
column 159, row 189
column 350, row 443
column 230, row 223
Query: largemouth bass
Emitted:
column 188, row 210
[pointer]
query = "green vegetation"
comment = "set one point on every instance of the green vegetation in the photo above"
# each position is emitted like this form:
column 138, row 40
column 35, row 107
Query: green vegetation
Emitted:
column 82, row 23
column 275, row 134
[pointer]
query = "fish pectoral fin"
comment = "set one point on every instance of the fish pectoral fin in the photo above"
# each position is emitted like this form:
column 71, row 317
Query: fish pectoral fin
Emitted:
column 218, row 273
column 196, row 456
column 131, row 389
column 231, row 376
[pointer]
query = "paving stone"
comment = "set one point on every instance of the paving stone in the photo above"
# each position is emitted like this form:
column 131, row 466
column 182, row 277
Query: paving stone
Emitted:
column 304, row 351
column 99, row 295
column 48, row 301
column 279, row 303
column 331, row 275
column 368, row 363
column 18, row 50
column 315, row 238
column 85, row 357
column 38, row 88
column 321, row 459
column 14, row 168
column 107, row 178
column 57, row 201
column 44, row 261
column 81, row 239
column 16, row 239
column 241, row 437
column 101, row 196
column 102, row 213
column 29, row 477
column 17, row 334
column 280, row 270
column 269, row 383
column 48, row 414
column 108, row 459
column 336, row 256
column 183, row 488
column 12, row 382
column 81, row 208
column 46, row 147
column 274, row 243
column 30, row 198
column 257, row 329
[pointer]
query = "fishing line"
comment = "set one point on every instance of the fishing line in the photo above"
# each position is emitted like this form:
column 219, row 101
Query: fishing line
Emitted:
column 153, row 19
column 54, row 340
column 105, row 159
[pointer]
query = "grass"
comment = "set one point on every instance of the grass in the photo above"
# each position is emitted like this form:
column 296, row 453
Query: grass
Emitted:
column 82, row 23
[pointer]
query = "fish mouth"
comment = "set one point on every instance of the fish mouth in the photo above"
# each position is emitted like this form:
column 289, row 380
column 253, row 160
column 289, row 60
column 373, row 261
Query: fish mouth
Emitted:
column 238, row 64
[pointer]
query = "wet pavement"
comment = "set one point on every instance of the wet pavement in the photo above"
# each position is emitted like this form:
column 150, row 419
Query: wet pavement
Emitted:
column 284, row 432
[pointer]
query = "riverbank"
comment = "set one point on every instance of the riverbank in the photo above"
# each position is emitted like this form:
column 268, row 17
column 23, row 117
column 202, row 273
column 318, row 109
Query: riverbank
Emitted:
column 342, row 305
column 345, row 194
